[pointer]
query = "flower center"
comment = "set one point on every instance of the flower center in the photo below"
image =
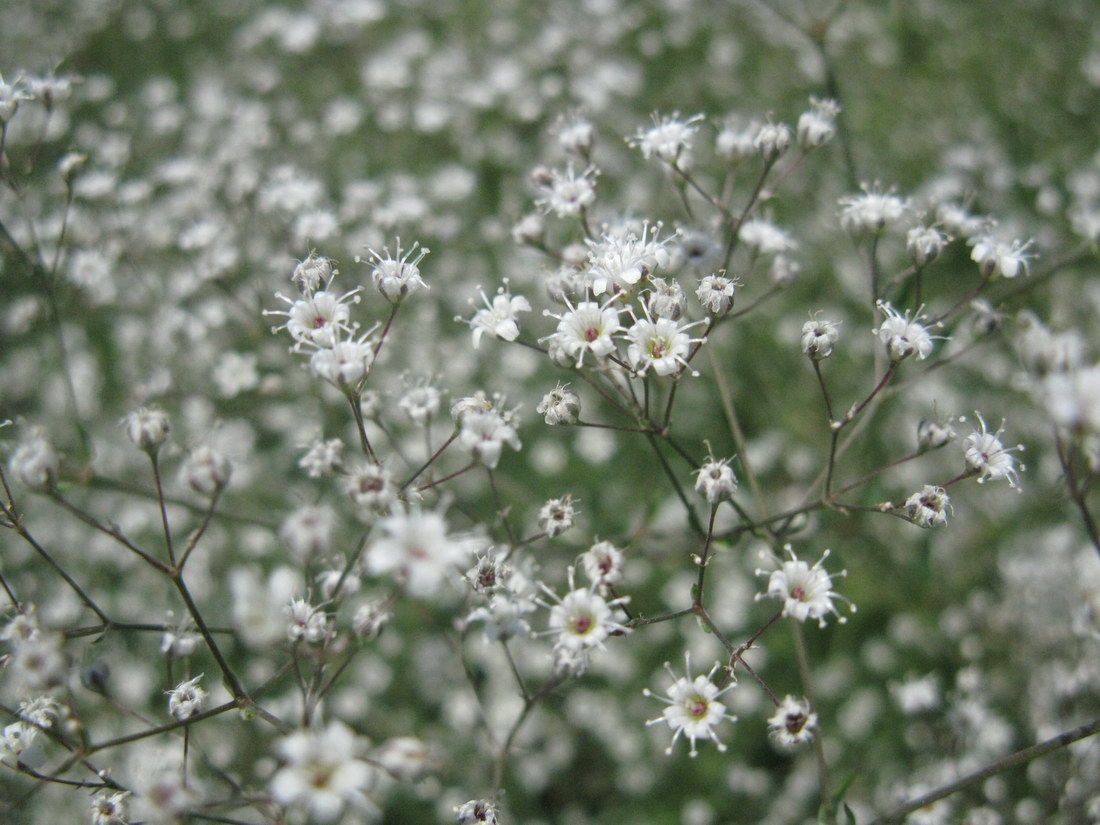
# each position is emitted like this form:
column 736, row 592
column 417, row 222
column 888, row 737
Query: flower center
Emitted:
column 798, row 592
column 591, row 334
column 581, row 624
column 698, row 708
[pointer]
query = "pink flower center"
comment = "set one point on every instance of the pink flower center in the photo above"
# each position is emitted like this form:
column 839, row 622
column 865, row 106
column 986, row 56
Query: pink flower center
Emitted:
column 699, row 708
column 798, row 592
column 591, row 334
column 581, row 624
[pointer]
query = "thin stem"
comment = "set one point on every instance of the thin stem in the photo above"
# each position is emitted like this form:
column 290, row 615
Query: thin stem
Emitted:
column 1020, row 757
column 693, row 518
column 1076, row 492
column 726, row 397
column 193, row 540
column 361, row 426
column 430, row 460
column 114, row 531
column 230, row 678
column 823, row 780
column 455, row 474
column 163, row 509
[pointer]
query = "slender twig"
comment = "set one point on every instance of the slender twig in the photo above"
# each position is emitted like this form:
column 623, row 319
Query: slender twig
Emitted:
column 824, row 782
column 163, row 509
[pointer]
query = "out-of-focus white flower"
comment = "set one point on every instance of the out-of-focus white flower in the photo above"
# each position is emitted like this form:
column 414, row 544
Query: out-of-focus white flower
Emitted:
column 765, row 238
column 603, row 564
column 806, row 591
column 670, row 139
column 371, row 488
column 35, row 463
column 924, row 244
column 772, row 140
column 323, row 458
column 693, row 709
column 997, row 257
column 405, row 758
column 307, row 623
column 485, row 434
column 308, row 531
column 817, row 125
column 415, row 546
column 567, row 194
column 397, row 276
column 323, row 772
column 148, row 428
column 207, row 470
column 873, row 211
column 557, row 515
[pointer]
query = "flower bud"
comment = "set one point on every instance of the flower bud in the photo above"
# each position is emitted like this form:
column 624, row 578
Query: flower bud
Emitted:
column 148, row 429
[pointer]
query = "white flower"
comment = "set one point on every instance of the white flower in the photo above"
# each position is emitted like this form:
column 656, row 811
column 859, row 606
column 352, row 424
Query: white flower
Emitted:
column 566, row 194
column 987, row 456
column 346, row 364
column 371, row 488
column 207, row 470
column 180, row 638
column 669, row 139
column 323, row 458
column 772, row 140
column 503, row 617
column 692, row 707
column 736, row 139
column 484, row 434
column 666, row 299
column 18, row 746
column 715, row 479
column 1073, row 399
column 924, row 244
column 873, row 211
column 396, row 276
column 996, row 257
column 11, row 95
column 35, row 463
column 406, row 758
column 421, row 403
column 903, row 336
column 186, row 699
column 147, row 428
column 576, row 135
column 1044, row 351
column 957, row 222
column 415, row 545
column 806, row 592
column 110, row 808
column 620, row 260
column 603, row 564
column 307, row 623
column 557, row 515
column 765, row 238
column 817, row 126
column 929, row 507
column 560, row 406
column 715, row 293
column 322, row 772
column 310, row 273
column 477, row 812
column 318, row 319
column 499, row 317
column 793, row 722
column 582, row 619
column 818, row 337
column 662, row 344
column 308, row 531
column 587, row 327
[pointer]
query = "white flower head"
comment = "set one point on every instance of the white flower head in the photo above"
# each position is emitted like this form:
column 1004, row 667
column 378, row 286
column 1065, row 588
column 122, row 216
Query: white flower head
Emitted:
column 415, row 546
column 186, row 699
column 567, row 194
column 308, row 531
column 110, row 808
column 987, row 456
column 903, row 336
column 576, row 135
column 499, row 317
column 35, row 463
column 715, row 479
column 736, row 139
column 503, row 616
column 560, row 406
column 929, row 507
column 817, row 125
column 484, row 434
column 662, row 345
column 311, row 273
column 873, row 212
column 693, row 709
column 924, row 244
column 772, row 140
column 323, row 772
column 206, row 470
column 765, row 238
column 665, row 299
column 557, row 515
column 371, row 488
column 307, row 623
column 805, row 590
column 670, row 139
column 345, row 364
column 148, row 428
column 603, row 564
column 715, row 293
column 621, row 259
column 793, row 722
column 323, row 458
column 586, row 327
column 581, row 620
column 421, row 402
column 818, row 337
column 397, row 276
column 318, row 319
column 477, row 812
column 996, row 257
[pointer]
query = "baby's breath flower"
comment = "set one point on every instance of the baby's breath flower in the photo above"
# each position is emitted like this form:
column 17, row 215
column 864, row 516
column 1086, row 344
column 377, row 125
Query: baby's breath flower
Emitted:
column 903, row 337
column 736, row 139
column 567, row 194
column 529, row 230
column 147, row 428
column 669, row 139
column 933, row 433
column 310, row 273
column 11, row 95
column 997, row 257
column 319, row 318
column 772, row 140
column 873, row 211
column 484, row 434
column 499, row 317
column 793, row 722
column 307, row 623
column 415, row 546
column 308, row 531
column 110, row 808
column 987, row 456
column 666, row 299
column 186, row 699
column 662, row 344
column 560, row 406
column 715, row 479
column 586, row 327
column 35, row 463
column 370, row 488
column 603, row 564
column 323, row 772
column 577, row 135
column 581, row 620
column 421, row 403
column 765, row 238
column 806, row 592
column 323, row 458
column 477, row 812
column 715, row 293
column 924, row 244
column 619, row 260
column 693, row 709
column 557, row 515
column 207, row 470
column 818, row 337
column 929, row 507
column 817, row 125
column 397, row 276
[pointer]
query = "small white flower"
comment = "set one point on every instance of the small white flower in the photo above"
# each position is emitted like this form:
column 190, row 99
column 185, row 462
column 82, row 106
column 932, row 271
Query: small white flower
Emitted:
column 666, row 299
column 477, row 812
column 499, row 317
column 484, row 434
column 715, row 479
column 586, row 327
column 207, row 470
column 603, row 564
column 669, row 139
column 693, row 709
column 405, row 758
column 772, row 140
column 560, row 406
column 371, row 488
column 567, row 194
column 18, row 746
column 996, row 257
column 817, row 126
column 503, row 617
column 765, row 238
column 577, row 135
column 806, row 592
column 874, row 211
column 148, row 428
column 323, row 458
column 818, row 337
column 186, row 699
column 307, row 623
column 35, row 463
column 581, row 620
column 736, row 139
column 929, row 507
column 987, row 456
column 793, row 722
column 903, row 336
column 397, row 276
column 619, row 260
column 180, row 638
column 662, row 345
column 716, row 292
column 959, row 223
column 346, row 364
column 308, row 531
column 318, row 319
column 557, row 515
column 924, row 244
column 415, row 545
column 110, row 808
column 421, row 403
column 323, row 772
column 310, row 273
